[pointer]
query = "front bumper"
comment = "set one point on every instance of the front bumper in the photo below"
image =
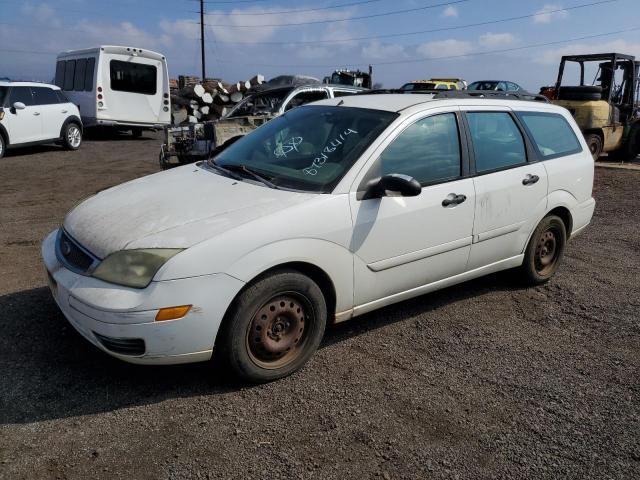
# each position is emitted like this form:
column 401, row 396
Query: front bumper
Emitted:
column 124, row 316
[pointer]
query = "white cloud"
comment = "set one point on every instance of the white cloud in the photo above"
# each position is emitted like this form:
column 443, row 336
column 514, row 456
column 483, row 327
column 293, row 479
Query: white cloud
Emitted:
column 377, row 51
column 552, row 56
column 444, row 48
column 450, row 11
column 548, row 14
column 494, row 40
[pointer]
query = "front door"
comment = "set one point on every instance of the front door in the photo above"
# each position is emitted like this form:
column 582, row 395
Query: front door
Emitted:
column 401, row 243
column 53, row 114
column 24, row 125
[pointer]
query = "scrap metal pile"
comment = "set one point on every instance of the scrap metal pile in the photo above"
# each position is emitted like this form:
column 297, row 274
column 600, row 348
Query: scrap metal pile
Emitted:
column 194, row 101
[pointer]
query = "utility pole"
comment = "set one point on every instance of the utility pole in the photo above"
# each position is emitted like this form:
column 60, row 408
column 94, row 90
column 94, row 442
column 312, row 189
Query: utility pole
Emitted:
column 202, row 38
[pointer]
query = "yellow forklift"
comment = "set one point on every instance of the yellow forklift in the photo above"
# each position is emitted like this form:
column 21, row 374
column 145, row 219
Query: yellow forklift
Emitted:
column 607, row 110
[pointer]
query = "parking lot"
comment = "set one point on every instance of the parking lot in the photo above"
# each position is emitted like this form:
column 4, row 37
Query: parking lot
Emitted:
column 482, row 380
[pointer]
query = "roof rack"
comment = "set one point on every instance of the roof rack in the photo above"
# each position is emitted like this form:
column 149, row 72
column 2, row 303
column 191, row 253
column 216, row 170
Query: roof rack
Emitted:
column 532, row 97
column 440, row 94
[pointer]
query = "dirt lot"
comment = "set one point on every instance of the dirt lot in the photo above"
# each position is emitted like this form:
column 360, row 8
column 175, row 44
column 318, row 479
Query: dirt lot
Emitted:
column 483, row 380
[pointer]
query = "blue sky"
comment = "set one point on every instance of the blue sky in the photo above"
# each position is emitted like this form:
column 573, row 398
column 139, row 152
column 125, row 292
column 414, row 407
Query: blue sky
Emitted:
column 39, row 29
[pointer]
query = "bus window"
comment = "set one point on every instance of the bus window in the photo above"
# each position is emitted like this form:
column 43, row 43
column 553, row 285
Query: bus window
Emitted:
column 133, row 77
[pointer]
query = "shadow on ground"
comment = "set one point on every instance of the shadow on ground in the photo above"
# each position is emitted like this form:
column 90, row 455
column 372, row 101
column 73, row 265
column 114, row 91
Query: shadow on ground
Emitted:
column 49, row 371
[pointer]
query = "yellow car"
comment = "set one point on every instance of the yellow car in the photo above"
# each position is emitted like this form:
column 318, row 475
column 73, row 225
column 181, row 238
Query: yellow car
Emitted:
column 436, row 84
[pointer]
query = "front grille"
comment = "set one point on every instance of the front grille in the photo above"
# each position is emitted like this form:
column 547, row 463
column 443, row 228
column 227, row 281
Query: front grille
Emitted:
column 123, row 346
column 72, row 255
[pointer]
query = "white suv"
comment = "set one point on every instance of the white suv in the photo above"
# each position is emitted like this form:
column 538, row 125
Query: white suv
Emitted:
column 34, row 113
column 329, row 211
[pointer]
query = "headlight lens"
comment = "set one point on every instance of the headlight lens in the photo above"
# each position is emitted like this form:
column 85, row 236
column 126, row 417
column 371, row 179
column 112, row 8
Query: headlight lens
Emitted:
column 134, row 268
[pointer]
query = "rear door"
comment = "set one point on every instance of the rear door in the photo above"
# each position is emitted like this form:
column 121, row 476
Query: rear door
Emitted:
column 24, row 125
column 134, row 89
column 510, row 185
column 53, row 113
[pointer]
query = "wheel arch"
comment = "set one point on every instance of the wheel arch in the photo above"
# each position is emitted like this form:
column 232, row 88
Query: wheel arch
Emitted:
column 72, row 119
column 5, row 135
column 559, row 203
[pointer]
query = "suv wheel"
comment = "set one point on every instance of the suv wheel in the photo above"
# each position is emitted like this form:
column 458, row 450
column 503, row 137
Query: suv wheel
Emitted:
column 2, row 146
column 545, row 250
column 274, row 327
column 72, row 136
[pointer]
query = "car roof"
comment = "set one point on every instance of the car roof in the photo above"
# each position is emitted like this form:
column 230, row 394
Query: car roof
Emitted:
column 27, row 84
column 398, row 102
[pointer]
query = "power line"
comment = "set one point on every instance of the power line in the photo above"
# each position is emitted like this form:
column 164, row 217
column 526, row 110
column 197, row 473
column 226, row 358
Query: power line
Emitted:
column 316, row 9
column 421, row 32
column 447, row 57
column 314, row 22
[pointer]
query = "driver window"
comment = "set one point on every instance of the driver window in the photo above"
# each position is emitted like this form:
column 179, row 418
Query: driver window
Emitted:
column 428, row 150
column 306, row 97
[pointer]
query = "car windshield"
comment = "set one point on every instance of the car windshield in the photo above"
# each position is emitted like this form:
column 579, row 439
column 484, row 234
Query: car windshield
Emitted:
column 309, row 148
column 419, row 86
column 3, row 94
column 260, row 104
column 483, row 86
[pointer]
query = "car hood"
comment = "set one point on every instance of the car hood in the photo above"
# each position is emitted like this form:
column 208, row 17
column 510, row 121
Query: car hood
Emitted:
column 173, row 209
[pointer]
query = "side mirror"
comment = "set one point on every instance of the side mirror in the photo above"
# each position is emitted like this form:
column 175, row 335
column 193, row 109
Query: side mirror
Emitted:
column 19, row 106
column 394, row 184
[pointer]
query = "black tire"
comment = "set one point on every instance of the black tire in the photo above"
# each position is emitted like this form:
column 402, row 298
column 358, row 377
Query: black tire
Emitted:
column 595, row 144
column 544, row 251
column 633, row 143
column 586, row 92
column 286, row 307
column 3, row 146
column 72, row 136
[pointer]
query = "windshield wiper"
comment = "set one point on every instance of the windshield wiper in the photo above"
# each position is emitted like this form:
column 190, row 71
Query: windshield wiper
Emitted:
column 251, row 172
column 211, row 162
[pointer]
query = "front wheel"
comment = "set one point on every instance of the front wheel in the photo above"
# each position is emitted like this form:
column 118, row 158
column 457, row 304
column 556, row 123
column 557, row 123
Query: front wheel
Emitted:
column 2, row 146
column 72, row 136
column 545, row 250
column 594, row 142
column 273, row 328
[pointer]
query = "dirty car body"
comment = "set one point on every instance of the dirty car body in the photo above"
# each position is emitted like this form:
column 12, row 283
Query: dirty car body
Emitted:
column 372, row 198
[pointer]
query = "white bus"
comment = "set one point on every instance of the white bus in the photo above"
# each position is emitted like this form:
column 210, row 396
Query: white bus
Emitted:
column 123, row 87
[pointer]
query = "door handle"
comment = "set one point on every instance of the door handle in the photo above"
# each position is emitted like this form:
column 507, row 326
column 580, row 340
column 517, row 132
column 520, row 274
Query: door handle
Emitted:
column 453, row 199
column 530, row 179
column 36, row 113
column 65, row 111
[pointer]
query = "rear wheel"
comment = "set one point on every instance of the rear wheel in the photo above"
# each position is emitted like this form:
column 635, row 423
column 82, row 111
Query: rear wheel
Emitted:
column 594, row 142
column 274, row 327
column 545, row 250
column 2, row 146
column 72, row 136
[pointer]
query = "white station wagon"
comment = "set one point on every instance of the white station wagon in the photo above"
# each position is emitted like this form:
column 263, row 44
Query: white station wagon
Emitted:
column 327, row 212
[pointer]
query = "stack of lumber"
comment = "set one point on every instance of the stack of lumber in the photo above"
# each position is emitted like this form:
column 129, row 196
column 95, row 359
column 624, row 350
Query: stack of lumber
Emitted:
column 197, row 101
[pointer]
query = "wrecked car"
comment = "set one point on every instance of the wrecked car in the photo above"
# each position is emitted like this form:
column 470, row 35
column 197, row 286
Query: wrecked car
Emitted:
column 190, row 143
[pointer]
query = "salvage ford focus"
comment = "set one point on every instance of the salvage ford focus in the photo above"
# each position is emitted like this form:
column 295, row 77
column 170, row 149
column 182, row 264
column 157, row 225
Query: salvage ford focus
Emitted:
column 330, row 211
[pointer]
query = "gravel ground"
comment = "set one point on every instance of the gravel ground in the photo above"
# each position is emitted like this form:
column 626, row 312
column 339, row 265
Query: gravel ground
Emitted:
column 482, row 380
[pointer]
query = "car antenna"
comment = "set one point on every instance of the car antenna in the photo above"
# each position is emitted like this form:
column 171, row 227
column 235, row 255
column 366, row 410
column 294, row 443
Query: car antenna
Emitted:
column 340, row 103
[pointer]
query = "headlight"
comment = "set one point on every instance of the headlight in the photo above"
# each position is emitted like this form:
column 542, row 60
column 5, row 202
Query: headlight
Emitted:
column 134, row 268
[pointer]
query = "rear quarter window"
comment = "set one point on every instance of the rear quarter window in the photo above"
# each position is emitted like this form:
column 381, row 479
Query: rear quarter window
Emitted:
column 551, row 133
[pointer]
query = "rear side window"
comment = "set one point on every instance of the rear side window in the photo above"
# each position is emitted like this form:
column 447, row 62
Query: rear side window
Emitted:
column 552, row 135
column 62, row 98
column 133, row 77
column 88, row 74
column 306, row 97
column 78, row 78
column 60, row 74
column 3, row 95
column 343, row 93
column 497, row 141
column 428, row 150
column 44, row 96
column 21, row 94
column 69, row 74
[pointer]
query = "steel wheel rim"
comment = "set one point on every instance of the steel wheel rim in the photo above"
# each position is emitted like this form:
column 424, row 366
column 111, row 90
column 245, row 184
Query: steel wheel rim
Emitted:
column 73, row 135
column 547, row 250
column 279, row 330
